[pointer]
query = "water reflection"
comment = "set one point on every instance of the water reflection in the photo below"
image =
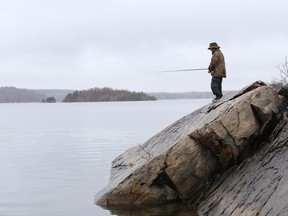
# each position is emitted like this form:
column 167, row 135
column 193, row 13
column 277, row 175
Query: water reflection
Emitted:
column 175, row 209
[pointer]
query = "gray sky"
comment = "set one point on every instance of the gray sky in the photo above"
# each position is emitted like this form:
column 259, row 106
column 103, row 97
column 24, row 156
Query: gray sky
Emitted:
column 81, row 44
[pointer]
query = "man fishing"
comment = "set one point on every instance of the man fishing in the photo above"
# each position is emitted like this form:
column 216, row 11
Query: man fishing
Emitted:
column 217, row 69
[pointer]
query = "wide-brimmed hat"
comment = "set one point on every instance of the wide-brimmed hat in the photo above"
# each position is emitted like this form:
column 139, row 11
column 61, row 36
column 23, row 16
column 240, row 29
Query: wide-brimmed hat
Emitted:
column 213, row 45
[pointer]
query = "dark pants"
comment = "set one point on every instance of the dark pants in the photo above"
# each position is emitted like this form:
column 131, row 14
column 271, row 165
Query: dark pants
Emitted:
column 216, row 86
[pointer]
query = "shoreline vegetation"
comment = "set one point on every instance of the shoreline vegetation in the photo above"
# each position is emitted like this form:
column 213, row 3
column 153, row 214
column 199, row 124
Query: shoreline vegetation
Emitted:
column 20, row 95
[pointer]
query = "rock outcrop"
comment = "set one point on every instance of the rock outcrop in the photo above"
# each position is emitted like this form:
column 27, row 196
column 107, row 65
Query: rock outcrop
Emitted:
column 258, row 186
column 185, row 160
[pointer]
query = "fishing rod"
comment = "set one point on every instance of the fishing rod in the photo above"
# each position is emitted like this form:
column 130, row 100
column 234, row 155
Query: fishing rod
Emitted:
column 192, row 69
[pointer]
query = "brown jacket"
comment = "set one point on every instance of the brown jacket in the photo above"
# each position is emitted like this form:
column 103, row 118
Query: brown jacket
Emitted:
column 217, row 64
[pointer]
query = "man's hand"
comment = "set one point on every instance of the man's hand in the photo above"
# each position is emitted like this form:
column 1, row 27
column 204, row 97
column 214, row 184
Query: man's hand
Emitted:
column 210, row 68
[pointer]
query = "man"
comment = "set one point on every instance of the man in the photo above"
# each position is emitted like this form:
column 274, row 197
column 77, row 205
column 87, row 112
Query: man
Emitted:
column 217, row 69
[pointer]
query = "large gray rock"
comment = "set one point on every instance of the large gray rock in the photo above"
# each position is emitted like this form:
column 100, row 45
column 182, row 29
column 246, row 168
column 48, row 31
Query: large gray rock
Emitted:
column 181, row 161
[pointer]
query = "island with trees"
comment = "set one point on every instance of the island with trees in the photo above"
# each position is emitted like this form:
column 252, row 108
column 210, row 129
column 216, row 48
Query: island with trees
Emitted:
column 106, row 94
column 49, row 100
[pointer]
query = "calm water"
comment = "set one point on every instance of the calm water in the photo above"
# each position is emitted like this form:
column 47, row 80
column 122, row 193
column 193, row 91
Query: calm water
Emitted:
column 55, row 157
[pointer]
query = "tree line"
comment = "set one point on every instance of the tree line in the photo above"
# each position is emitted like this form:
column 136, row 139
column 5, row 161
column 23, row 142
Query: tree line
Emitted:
column 15, row 95
column 10, row 94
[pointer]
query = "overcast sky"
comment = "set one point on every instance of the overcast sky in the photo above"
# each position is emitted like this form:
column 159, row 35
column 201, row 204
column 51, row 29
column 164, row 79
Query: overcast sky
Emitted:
column 81, row 44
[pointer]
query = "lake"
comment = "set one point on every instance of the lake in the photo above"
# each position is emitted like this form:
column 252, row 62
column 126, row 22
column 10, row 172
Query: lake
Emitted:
column 55, row 157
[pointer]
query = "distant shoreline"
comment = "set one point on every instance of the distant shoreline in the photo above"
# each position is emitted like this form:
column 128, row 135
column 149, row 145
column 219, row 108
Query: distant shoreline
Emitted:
column 17, row 95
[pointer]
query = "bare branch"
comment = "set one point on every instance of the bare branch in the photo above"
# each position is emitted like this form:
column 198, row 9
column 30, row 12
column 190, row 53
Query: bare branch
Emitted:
column 283, row 69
